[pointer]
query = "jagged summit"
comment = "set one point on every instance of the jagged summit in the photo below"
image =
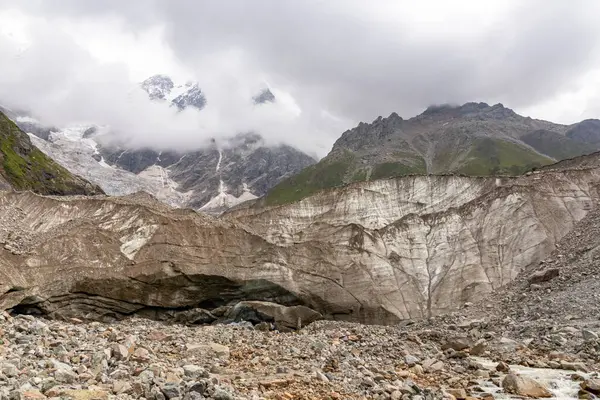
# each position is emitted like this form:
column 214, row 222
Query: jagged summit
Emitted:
column 191, row 97
column 158, row 86
column 471, row 109
column 161, row 87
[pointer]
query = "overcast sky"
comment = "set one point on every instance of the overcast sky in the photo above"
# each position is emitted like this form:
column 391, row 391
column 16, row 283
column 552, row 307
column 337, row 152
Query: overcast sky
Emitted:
column 331, row 63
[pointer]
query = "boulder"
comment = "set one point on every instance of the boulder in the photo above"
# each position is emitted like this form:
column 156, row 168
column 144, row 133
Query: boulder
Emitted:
column 591, row 385
column 573, row 366
column 197, row 316
column 262, row 311
column 479, row 348
column 524, row 386
column 543, row 275
column 457, row 343
column 502, row 367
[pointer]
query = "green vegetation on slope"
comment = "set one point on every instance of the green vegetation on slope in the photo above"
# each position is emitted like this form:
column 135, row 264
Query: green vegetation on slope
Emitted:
column 25, row 167
column 324, row 174
column 391, row 169
column 494, row 156
column 556, row 145
column 338, row 171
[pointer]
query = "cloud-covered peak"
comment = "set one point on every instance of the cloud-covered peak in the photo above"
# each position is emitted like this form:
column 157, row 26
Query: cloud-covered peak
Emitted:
column 158, row 86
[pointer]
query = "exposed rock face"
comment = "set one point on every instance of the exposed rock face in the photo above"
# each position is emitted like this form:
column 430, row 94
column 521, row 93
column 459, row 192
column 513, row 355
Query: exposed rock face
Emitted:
column 193, row 96
column 219, row 176
column 373, row 252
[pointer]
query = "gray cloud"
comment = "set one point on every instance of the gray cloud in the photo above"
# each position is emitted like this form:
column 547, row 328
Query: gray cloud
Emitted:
column 342, row 61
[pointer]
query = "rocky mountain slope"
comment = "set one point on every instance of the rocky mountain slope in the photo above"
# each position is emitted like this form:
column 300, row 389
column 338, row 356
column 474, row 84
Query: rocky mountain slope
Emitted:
column 25, row 167
column 473, row 139
column 219, row 176
column 376, row 252
column 213, row 179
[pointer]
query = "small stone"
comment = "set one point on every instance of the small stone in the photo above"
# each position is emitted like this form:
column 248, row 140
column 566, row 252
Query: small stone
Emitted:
column 321, row 376
column 194, row 371
column 119, row 351
column 459, row 394
column 457, row 343
column 146, row 376
column 141, row 354
column 479, row 348
column 65, row 376
column 502, row 367
column 417, row 369
column 589, row 335
column 122, row 387
column 221, row 394
column 199, row 387
column 411, row 360
column 8, row 369
column 220, row 350
column 544, row 275
column 170, row 390
column 573, row 366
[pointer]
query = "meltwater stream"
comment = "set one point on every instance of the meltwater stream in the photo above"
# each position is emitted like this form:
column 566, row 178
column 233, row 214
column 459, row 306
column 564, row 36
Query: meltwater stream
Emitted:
column 558, row 381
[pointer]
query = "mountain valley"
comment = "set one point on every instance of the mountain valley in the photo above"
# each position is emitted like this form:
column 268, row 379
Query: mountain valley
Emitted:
column 466, row 283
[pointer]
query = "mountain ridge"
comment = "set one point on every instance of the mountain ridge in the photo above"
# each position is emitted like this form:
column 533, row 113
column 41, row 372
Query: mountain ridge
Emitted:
column 472, row 139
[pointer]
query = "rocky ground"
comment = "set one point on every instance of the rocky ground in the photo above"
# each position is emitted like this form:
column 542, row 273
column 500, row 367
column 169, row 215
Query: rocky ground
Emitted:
column 138, row 358
column 555, row 300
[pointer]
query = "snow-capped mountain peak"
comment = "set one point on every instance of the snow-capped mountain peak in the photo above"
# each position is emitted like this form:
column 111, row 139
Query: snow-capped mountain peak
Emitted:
column 193, row 97
column 162, row 87
column 158, row 87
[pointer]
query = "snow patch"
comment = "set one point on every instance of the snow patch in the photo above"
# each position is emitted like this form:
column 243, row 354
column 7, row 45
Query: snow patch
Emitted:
column 224, row 200
column 219, row 162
